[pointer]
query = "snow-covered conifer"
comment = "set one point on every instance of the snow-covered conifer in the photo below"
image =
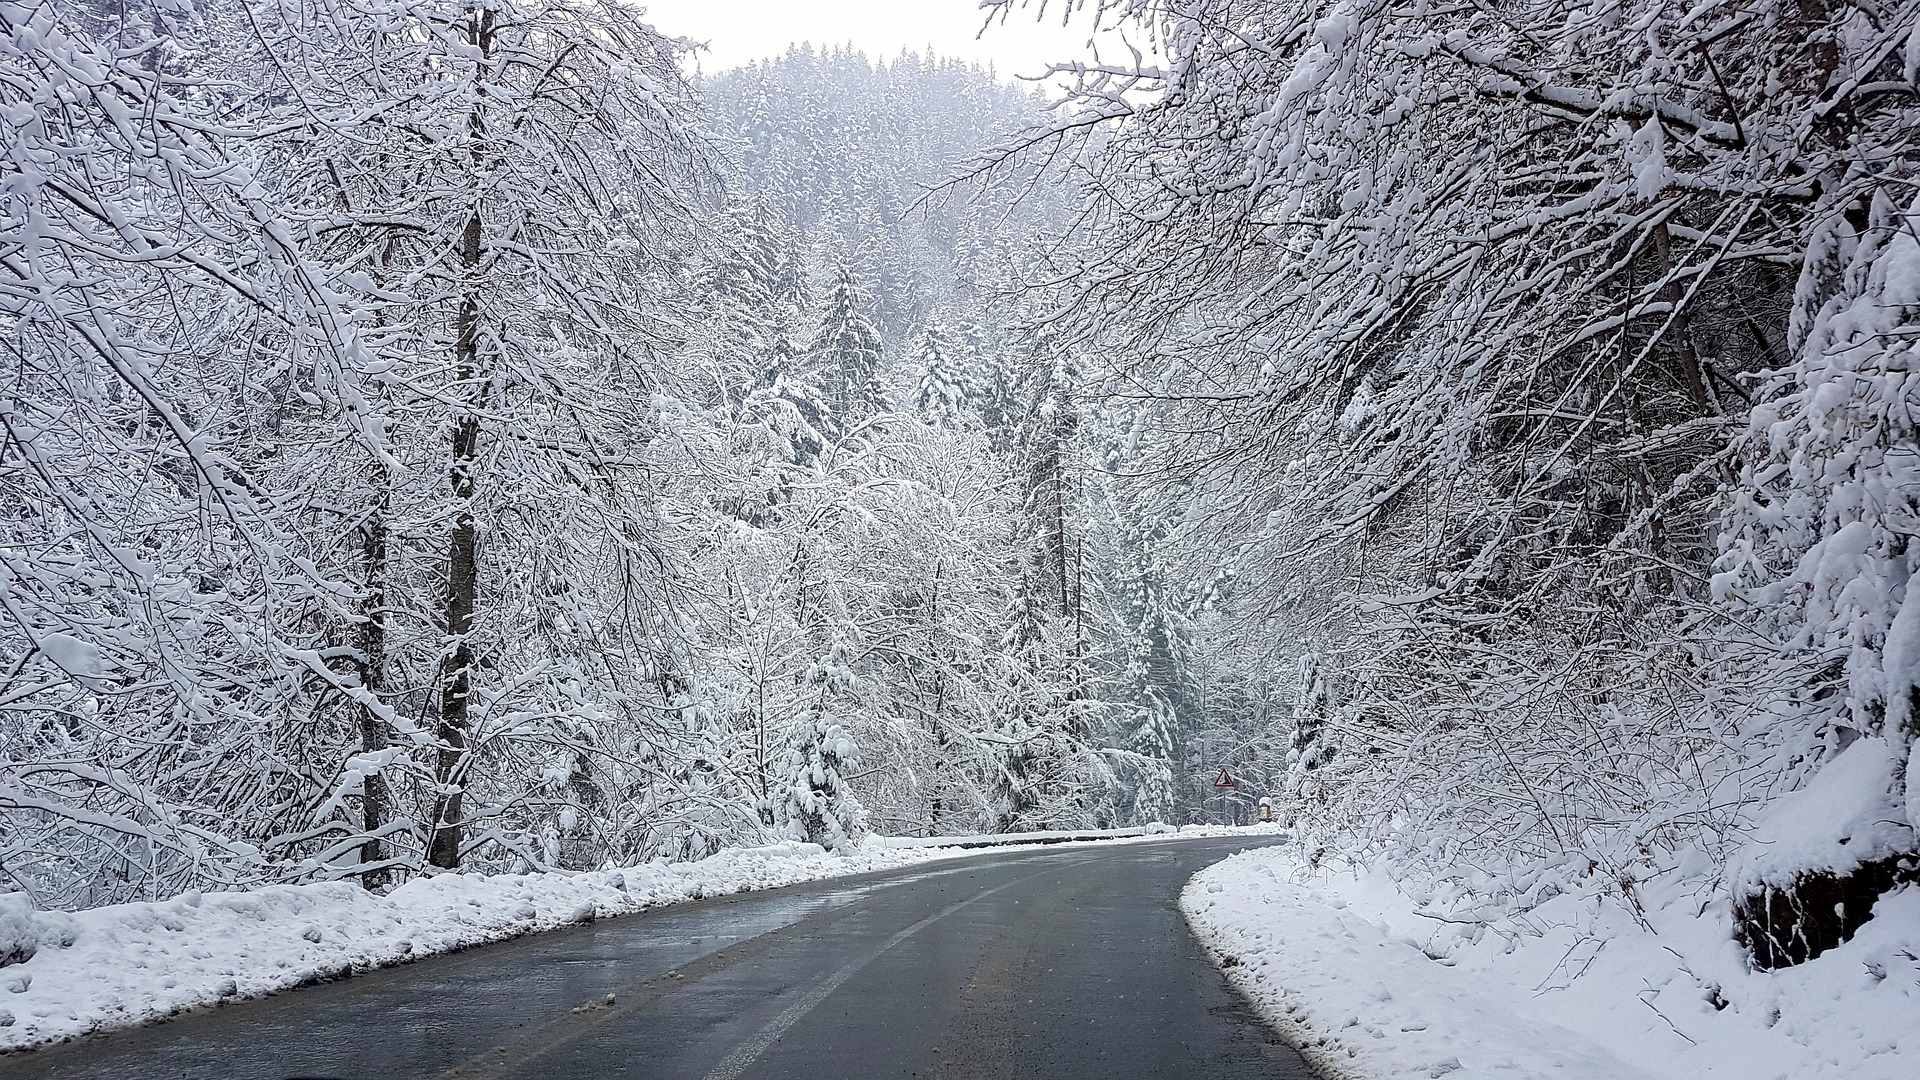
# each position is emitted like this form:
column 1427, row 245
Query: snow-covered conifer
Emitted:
column 846, row 352
column 817, row 805
column 940, row 394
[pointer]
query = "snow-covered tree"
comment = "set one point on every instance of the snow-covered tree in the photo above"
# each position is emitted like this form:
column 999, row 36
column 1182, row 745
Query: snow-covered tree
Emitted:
column 1449, row 325
column 362, row 300
column 1307, row 748
column 159, row 581
column 816, row 804
column 846, row 353
column 498, row 183
column 940, row 392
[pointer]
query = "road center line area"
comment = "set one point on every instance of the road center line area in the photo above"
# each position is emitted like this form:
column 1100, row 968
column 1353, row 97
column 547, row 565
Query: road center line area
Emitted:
column 514, row 1060
column 744, row 1055
column 1070, row 962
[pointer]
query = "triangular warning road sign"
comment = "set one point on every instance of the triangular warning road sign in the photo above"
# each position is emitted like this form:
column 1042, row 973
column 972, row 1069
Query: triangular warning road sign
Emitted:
column 1224, row 781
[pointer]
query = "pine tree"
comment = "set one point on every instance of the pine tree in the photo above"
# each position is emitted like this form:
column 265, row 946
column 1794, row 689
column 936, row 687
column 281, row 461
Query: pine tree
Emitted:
column 790, row 404
column 940, row 395
column 817, row 805
column 847, row 352
column 1307, row 749
column 1151, row 774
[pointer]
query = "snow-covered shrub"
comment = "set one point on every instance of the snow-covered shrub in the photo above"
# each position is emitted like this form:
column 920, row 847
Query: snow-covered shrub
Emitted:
column 816, row 805
column 1820, row 541
column 24, row 930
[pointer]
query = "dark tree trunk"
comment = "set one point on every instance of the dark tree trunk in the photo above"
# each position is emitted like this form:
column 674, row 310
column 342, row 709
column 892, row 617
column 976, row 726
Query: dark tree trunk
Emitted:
column 454, row 767
column 1057, row 483
column 939, row 727
column 463, row 580
column 1680, row 327
column 462, row 583
column 374, row 801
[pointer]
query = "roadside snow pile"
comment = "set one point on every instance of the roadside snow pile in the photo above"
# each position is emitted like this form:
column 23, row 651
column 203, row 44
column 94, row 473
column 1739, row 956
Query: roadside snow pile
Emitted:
column 1009, row 839
column 1818, row 858
column 64, row 974
column 1373, row 983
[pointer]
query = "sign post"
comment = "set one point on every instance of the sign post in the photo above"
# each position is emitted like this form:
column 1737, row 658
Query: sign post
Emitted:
column 1225, row 783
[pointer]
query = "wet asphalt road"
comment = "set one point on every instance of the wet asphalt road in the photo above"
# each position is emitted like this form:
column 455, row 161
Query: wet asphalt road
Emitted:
column 1065, row 963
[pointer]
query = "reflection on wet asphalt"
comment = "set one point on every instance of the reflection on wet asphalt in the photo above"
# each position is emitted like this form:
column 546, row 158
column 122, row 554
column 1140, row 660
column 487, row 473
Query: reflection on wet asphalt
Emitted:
column 1068, row 962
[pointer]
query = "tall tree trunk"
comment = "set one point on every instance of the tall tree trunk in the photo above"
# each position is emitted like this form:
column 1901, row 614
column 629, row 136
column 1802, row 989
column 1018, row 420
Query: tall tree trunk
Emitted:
column 760, row 743
column 454, row 767
column 1686, row 355
column 463, row 579
column 374, row 800
column 1057, row 481
column 939, row 701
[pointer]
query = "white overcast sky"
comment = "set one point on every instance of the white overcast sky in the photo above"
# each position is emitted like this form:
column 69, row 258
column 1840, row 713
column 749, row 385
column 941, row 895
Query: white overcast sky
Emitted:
column 738, row 31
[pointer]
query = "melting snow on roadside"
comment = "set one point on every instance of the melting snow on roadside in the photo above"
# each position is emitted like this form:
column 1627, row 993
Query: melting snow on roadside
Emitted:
column 1374, row 984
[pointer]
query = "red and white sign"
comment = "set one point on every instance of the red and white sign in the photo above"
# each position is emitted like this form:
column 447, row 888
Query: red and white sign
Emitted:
column 1224, row 781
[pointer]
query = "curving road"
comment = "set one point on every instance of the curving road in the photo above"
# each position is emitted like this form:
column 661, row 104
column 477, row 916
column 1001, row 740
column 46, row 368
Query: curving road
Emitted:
column 1064, row 963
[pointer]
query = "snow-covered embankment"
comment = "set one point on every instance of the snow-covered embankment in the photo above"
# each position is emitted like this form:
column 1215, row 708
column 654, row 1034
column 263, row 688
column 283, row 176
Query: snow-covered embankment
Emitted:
column 1374, row 984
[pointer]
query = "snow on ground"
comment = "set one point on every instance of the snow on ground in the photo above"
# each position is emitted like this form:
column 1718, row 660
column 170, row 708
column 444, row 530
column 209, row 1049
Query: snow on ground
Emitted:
column 64, row 974
column 1373, row 983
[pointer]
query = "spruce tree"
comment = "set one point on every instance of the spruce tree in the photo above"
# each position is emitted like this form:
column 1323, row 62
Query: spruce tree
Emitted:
column 817, row 806
column 847, row 353
column 940, row 395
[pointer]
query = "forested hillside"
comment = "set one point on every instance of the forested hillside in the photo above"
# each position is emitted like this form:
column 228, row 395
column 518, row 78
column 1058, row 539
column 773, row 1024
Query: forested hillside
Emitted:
column 440, row 434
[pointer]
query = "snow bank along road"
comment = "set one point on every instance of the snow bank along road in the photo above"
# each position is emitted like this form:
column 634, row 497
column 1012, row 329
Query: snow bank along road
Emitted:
column 1072, row 962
